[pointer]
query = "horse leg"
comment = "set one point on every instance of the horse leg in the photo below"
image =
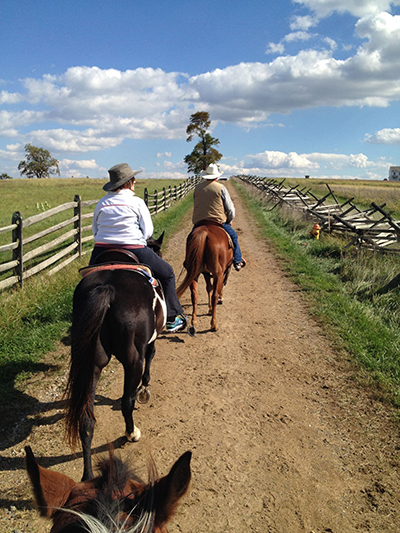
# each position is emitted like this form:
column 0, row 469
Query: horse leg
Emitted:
column 218, row 284
column 194, row 291
column 86, row 429
column 143, row 394
column 133, row 368
column 209, row 288
column 221, row 297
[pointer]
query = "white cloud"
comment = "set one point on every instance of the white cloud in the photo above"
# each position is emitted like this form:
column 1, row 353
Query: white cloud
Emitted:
column 303, row 23
column 90, row 109
column 10, row 98
column 357, row 8
column 275, row 48
column 164, row 154
column 297, row 36
column 84, row 164
column 385, row 136
column 281, row 160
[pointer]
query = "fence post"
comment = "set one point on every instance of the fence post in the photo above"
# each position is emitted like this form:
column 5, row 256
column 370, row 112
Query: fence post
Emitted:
column 175, row 194
column 164, row 199
column 78, row 224
column 146, row 196
column 156, row 200
column 18, row 252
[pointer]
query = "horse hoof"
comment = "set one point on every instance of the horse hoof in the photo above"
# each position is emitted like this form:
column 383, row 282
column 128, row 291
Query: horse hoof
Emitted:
column 143, row 395
column 220, row 301
column 214, row 328
column 192, row 331
column 135, row 436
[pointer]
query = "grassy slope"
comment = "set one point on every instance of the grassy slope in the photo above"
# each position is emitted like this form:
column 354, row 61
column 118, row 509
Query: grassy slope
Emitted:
column 342, row 293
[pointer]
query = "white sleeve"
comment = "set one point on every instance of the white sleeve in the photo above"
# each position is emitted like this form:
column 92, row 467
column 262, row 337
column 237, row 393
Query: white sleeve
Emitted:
column 94, row 223
column 145, row 220
column 228, row 205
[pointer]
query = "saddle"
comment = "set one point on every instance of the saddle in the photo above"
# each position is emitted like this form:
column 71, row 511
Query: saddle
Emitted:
column 116, row 259
column 207, row 222
column 121, row 259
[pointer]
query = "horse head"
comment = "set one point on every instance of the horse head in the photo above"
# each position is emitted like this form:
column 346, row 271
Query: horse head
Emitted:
column 155, row 244
column 116, row 500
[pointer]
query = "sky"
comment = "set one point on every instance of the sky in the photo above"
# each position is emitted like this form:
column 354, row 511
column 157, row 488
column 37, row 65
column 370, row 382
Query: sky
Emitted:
column 292, row 87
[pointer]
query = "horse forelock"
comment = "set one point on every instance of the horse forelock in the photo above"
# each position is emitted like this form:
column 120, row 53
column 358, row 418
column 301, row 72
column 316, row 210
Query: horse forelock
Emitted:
column 114, row 502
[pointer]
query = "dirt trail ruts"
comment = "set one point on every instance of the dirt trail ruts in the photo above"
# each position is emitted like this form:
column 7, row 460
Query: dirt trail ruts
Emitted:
column 283, row 439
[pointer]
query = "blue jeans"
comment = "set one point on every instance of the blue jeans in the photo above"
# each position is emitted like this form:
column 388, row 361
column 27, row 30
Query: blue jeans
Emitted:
column 237, row 254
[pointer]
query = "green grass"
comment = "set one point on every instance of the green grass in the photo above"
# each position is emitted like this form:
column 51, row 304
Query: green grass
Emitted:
column 33, row 196
column 364, row 192
column 342, row 288
column 35, row 318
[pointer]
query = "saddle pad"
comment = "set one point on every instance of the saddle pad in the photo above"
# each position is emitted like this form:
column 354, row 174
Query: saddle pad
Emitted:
column 140, row 269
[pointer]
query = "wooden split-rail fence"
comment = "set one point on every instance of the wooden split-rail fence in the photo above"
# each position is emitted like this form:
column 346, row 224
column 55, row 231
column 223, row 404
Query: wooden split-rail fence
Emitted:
column 373, row 228
column 54, row 238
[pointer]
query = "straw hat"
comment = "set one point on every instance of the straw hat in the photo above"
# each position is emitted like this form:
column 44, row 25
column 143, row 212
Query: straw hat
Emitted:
column 119, row 175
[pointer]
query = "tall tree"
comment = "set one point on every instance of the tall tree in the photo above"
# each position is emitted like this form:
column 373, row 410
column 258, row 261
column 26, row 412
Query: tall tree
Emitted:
column 38, row 163
column 204, row 153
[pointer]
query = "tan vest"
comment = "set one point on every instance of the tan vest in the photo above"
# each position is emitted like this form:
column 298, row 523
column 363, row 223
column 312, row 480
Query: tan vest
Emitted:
column 208, row 202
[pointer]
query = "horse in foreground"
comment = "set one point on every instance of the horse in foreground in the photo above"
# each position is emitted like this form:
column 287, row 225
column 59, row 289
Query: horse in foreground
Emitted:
column 208, row 252
column 117, row 309
column 115, row 501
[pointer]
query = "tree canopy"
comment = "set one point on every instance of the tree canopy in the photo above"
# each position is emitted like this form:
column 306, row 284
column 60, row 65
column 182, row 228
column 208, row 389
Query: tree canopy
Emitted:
column 38, row 163
column 204, row 153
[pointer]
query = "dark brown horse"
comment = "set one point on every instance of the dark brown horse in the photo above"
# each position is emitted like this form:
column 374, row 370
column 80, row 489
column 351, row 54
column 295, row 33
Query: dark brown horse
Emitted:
column 115, row 501
column 208, row 252
column 116, row 310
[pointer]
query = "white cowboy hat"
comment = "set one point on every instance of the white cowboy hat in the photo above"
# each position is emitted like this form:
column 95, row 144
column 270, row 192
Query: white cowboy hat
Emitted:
column 211, row 173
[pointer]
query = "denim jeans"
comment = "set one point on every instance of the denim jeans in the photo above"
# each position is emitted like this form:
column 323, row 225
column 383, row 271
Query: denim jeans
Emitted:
column 237, row 254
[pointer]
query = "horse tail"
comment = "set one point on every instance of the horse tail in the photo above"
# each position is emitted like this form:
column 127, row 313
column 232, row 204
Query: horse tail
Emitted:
column 194, row 260
column 89, row 310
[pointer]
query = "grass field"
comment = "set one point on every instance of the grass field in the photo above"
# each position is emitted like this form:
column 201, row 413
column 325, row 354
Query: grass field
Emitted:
column 32, row 196
column 363, row 191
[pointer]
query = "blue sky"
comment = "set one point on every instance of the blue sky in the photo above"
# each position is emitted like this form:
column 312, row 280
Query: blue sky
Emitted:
column 293, row 87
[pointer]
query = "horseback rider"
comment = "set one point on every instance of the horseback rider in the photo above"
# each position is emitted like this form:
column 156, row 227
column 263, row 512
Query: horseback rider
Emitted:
column 212, row 202
column 123, row 220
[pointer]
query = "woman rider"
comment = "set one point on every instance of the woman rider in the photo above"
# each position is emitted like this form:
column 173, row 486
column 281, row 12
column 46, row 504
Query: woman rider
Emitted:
column 122, row 220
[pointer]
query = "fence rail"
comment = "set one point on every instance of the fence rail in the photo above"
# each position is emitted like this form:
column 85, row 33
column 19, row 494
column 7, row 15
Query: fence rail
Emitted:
column 27, row 255
column 373, row 228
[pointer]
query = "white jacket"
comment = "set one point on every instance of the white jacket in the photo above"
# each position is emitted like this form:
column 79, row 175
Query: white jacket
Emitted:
column 122, row 218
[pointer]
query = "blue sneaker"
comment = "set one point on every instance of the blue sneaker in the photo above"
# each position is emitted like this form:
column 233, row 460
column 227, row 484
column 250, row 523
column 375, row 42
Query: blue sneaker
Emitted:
column 178, row 324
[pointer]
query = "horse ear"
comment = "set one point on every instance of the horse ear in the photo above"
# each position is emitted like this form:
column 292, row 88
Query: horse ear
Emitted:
column 171, row 488
column 161, row 238
column 51, row 489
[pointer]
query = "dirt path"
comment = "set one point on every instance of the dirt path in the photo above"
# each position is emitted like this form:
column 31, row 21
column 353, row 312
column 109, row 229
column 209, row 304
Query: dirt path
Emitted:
column 283, row 440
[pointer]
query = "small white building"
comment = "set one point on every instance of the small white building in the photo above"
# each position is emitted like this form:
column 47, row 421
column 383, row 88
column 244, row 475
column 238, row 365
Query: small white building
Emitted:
column 394, row 174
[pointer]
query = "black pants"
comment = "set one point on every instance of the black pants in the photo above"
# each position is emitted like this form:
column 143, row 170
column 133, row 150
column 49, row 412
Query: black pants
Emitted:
column 162, row 271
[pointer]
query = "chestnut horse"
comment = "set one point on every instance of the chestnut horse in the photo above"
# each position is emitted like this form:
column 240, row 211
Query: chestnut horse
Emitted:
column 116, row 310
column 114, row 501
column 208, row 252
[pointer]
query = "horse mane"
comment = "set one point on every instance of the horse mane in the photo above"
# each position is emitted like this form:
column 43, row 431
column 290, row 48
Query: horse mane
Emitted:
column 111, row 509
